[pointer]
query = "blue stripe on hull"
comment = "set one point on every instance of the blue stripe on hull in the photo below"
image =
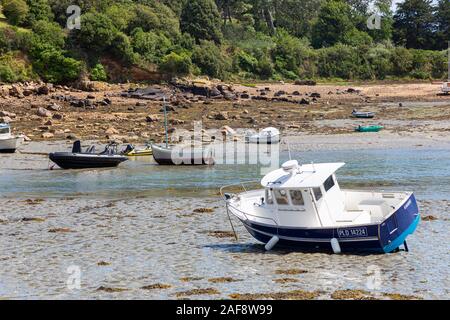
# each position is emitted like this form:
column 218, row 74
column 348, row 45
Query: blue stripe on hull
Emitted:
column 385, row 237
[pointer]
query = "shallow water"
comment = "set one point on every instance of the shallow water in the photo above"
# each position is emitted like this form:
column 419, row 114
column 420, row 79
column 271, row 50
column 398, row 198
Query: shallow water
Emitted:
column 138, row 222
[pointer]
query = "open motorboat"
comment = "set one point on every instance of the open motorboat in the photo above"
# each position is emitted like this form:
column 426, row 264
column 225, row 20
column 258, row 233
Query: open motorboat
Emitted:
column 369, row 128
column 265, row 136
column 303, row 206
column 363, row 115
column 88, row 159
column 8, row 142
column 131, row 151
column 187, row 155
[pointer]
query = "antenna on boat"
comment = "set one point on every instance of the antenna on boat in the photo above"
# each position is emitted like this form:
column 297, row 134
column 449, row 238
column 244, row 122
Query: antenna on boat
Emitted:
column 289, row 150
column 165, row 122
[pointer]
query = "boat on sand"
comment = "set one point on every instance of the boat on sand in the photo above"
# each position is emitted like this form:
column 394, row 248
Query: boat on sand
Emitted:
column 303, row 206
column 369, row 128
column 8, row 142
column 77, row 159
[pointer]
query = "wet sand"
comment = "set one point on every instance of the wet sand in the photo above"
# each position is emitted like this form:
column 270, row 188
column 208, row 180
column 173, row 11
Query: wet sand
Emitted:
column 162, row 248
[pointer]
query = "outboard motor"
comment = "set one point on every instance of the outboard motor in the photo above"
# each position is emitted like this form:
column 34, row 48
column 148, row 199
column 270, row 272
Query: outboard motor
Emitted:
column 128, row 149
column 76, row 147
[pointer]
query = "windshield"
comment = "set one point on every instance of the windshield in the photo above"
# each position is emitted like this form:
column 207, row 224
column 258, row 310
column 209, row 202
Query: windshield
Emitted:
column 4, row 130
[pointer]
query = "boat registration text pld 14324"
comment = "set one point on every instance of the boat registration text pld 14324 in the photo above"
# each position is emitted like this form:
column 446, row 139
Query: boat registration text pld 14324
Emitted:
column 353, row 232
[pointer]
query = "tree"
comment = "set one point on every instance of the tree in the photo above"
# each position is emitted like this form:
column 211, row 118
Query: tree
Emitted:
column 414, row 24
column 49, row 32
column 96, row 35
column 15, row 11
column 201, row 19
column 174, row 64
column 208, row 57
column 297, row 16
column 443, row 20
column 333, row 23
column 39, row 10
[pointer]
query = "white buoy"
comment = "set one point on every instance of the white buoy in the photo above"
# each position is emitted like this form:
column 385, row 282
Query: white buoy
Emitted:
column 336, row 246
column 269, row 246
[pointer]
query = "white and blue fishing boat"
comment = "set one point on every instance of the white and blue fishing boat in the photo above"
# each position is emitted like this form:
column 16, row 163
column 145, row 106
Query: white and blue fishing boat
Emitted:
column 303, row 206
column 8, row 142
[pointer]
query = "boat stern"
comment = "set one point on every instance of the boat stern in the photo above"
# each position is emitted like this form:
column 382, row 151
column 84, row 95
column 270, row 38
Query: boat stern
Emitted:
column 395, row 229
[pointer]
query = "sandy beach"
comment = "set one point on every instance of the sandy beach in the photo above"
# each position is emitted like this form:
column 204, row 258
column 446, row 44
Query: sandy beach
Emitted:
column 106, row 114
column 137, row 232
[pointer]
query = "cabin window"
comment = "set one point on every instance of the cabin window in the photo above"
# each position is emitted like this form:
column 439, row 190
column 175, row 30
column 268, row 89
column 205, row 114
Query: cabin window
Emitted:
column 317, row 193
column 4, row 130
column 329, row 183
column 281, row 197
column 269, row 198
column 297, row 198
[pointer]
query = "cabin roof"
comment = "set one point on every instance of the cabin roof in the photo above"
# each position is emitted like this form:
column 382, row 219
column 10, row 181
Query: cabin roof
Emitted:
column 305, row 176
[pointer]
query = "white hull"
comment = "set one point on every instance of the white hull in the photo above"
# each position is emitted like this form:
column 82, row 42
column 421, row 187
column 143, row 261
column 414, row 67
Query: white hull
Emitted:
column 263, row 139
column 10, row 144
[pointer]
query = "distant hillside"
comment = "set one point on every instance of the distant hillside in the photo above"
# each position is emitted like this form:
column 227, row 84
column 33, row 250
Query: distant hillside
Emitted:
column 151, row 40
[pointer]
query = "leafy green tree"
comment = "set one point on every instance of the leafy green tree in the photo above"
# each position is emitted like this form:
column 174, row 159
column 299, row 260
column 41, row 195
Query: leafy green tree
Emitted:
column 443, row 21
column 120, row 15
column 156, row 18
column 15, row 11
column 96, row 35
column 54, row 66
column 39, row 10
column 414, row 24
column 333, row 23
column 98, row 73
column 176, row 64
column 297, row 16
column 201, row 19
column 211, row 61
column 49, row 32
column 150, row 45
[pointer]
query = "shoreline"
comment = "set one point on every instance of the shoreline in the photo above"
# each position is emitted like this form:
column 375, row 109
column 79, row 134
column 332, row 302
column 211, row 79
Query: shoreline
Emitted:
column 106, row 114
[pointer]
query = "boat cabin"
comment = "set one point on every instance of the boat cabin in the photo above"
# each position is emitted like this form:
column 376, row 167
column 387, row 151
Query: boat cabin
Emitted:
column 308, row 195
column 5, row 130
column 446, row 87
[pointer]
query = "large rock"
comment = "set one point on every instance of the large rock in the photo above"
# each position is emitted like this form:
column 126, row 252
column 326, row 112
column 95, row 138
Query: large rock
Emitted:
column 7, row 114
column 54, row 107
column 41, row 112
column 5, row 119
column 16, row 92
column 44, row 89
column 47, row 135
column 305, row 83
column 221, row 116
column 152, row 118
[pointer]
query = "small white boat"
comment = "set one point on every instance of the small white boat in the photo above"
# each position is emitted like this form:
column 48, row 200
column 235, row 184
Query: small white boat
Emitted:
column 8, row 142
column 265, row 136
column 446, row 87
column 304, row 207
column 186, row 155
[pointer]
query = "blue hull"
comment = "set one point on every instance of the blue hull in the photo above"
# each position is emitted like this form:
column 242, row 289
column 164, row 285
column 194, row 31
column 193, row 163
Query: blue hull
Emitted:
column 385, row 237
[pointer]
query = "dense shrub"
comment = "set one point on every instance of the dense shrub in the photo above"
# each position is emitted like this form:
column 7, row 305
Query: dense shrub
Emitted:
column 150, row 45
column 98, row 73
column 211, row 61
column 14, row 69
column 53, row 66
column 15, row 11
column 201, row 19
column 173, row 63
column 49, row 32
column 39, row 10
